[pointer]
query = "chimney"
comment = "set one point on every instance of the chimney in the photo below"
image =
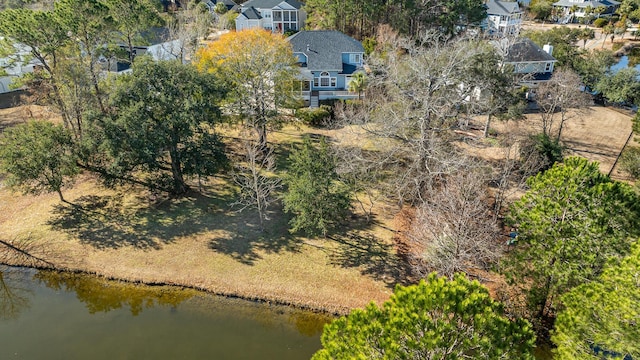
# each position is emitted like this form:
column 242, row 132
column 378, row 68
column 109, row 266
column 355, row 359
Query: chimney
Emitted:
column 308, row 48
column 548, row 49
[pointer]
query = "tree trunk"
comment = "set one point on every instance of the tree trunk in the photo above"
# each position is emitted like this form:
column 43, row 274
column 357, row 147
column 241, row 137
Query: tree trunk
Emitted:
column 487, row 125
column 60, row 195
column 179, row 186
column 262, row 137
column 560, row 129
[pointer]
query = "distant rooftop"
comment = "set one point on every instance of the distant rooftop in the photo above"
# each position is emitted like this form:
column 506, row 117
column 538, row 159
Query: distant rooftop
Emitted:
column 497, row 7
column 525, row 50
column 270, row 4
column 324, row 48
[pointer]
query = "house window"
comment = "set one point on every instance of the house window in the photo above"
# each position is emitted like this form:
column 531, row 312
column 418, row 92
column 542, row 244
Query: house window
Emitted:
column 547, row 67
column 286, row 15
column 325, row 80
column 355, row 59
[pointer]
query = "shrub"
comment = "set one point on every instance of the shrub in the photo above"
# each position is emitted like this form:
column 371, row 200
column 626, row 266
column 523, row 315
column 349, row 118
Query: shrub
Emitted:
column 540, row 152
column 630, row 162
column 314, row 116
column 600, row 22
column 369, row 45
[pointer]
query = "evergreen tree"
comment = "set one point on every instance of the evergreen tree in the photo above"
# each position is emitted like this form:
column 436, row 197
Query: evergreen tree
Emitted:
column 315, row 197
column 161, row 121
column 38, row 157
column 602, row 316
column 435, row 319
column 570, row 222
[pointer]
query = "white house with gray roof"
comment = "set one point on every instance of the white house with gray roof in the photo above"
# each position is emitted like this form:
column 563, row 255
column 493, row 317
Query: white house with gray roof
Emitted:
column 276, row 15
column 503, row 18
column 327, row 59
column 581, row 8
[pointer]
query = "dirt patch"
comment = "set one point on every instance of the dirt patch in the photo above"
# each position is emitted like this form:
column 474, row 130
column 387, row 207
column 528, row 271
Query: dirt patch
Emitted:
column 11, row 116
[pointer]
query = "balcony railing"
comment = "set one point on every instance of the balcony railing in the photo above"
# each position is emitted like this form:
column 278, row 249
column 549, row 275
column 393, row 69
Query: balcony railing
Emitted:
column 330, row 94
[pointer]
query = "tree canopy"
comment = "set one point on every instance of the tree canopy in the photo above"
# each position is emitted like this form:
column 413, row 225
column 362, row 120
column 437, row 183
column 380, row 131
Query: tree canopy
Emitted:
column 361, row 18
column 259, row 68
column 602, row 316
column 161, row 120
column 622, row 86
column 435, row 319
column 570, row 222
column 38, row 157
column 562, row 39
column 315, row 197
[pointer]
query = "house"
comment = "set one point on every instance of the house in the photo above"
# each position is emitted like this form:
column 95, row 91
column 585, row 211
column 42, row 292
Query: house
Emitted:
column 15, row 65
column 276, row 15
column 532, row 63
column 158, row 48
column 211, row 4
column 328, row 59
column 503, row 18
column 572, row 9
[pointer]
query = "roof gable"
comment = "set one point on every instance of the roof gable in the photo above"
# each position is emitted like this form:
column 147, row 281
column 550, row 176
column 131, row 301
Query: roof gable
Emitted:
column 497, row 7
column 270, row 4
column 324, row 48
column 251, row 14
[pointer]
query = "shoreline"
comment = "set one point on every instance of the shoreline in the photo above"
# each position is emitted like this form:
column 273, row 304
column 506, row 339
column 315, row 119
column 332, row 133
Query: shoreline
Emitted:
column 335, row 312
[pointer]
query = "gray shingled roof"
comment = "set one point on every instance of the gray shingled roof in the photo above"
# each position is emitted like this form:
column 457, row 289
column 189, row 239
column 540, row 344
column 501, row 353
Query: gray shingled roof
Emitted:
column 228, row 3
column 526, row 50
column 324, row 48
column 252, row 14
column 497, row 7
column 594, row 4
column 270, row 4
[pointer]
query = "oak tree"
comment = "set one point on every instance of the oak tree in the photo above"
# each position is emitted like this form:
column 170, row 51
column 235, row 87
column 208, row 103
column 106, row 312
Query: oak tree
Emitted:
column 38, row 157
column 162, row 122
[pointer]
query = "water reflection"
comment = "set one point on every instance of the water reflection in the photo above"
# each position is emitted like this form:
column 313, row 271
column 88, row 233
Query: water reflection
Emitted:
column 56, row 315
column 14, row 296
column 103, row 295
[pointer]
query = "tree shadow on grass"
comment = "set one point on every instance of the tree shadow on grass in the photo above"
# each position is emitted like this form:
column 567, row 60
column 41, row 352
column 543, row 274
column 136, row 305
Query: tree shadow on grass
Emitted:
column 246, row 242
column 371, row 255
column 107, row 222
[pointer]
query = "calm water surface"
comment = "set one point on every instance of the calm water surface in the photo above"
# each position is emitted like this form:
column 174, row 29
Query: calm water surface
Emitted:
column 50, row 315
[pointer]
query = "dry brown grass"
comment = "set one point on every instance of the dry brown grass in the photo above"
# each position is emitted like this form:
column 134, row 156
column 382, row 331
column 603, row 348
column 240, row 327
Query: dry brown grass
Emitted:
column 596, row 134
column 198, row 241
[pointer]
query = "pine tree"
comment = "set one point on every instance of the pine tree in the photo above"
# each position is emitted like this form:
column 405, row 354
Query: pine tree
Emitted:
column 435, row 319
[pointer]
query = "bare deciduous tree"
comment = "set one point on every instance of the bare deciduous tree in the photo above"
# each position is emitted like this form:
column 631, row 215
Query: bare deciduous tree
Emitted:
column 187, row 28
column 560, row 95
column 415, row 97
column 256, row 180
column 454, row 229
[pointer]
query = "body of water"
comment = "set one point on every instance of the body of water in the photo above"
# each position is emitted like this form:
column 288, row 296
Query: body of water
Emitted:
column 52, row 315
column 622, row 64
